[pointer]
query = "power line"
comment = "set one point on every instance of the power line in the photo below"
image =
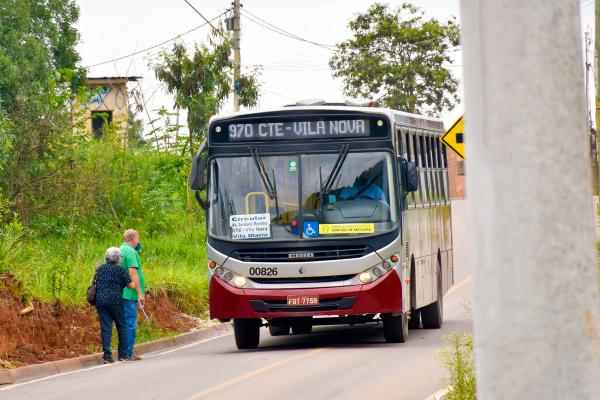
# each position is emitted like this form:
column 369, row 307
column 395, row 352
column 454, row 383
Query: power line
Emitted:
column 159, row 44
column 204, row 18
column 287, row 33
column 251, row 17
column 277, row 94
column 274, row 28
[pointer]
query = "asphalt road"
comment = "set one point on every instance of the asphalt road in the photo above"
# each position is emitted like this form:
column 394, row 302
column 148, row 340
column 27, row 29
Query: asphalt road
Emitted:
column 332, row 363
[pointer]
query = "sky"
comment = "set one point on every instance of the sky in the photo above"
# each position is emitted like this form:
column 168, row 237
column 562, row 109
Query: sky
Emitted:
column 291, row 70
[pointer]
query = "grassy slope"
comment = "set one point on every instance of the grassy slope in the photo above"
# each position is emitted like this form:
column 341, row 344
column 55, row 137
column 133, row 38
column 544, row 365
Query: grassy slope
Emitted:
column 59, row 268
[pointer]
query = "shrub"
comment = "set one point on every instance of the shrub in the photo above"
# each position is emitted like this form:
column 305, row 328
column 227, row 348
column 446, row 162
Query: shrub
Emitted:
column 10, row 236
column 459, row 360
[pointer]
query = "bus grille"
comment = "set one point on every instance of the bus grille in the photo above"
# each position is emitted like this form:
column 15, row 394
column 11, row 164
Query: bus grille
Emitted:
column 307, row 279
column 322, row 253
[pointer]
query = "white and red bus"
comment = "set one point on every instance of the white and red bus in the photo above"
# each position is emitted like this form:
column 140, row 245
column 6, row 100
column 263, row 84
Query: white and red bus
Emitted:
column 322, row 214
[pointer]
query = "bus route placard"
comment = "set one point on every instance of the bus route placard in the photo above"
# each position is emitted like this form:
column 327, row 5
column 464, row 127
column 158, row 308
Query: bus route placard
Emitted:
column 299, row 130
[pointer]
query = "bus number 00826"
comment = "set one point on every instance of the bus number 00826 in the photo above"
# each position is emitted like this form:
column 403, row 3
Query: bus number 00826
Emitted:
column 263, row 271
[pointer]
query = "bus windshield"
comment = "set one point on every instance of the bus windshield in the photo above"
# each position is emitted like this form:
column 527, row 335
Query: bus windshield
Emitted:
column 340, row 195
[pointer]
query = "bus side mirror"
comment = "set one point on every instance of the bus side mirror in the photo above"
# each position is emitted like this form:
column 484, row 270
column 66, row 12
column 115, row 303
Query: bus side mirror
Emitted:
column 411, row 177
column 197, row 179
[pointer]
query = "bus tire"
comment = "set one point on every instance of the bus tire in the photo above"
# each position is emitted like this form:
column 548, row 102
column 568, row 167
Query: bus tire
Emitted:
column 432, row 315
column 302, row 327
column 279, row 330
column 246, row 332
column 415, row 319
column 395, row 328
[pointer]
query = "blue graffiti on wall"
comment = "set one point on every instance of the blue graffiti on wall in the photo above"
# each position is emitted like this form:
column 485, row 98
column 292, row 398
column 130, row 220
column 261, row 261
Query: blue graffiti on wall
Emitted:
column 100, row 94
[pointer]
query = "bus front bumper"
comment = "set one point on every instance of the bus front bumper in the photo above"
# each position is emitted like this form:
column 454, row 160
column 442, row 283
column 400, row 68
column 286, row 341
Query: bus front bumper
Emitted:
column 383, row 295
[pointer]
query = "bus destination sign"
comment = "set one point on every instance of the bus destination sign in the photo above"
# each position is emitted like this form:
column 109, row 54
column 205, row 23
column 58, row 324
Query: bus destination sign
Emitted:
column 299, row 130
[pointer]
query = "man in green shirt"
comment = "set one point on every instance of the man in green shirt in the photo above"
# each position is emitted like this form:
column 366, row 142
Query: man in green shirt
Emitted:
column 131, row 262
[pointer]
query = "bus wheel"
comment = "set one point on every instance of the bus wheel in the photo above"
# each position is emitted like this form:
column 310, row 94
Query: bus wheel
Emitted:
column 279, row 330
column 432, row 315
column 415, row 319
column 395, row 328
column 246, row 332
column 302, row 326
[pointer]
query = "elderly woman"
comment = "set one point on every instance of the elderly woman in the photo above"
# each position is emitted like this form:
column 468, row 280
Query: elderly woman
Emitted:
column 109, row 302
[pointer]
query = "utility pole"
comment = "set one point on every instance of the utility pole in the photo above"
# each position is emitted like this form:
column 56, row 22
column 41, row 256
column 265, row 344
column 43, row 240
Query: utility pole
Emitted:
column 591, row 132
column 530, row 215
column 236, row 55
column 586, row 37
column 597, row 78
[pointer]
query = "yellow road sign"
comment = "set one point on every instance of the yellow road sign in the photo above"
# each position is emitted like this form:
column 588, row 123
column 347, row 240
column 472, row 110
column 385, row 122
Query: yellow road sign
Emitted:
column 454, row 138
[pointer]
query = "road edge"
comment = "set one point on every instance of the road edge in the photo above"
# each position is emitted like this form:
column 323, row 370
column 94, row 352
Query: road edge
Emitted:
column 36, row 371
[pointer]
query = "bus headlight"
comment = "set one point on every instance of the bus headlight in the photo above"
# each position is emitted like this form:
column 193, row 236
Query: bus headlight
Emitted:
column 239, row 281
column 230, row 277
column 365, row 277
column 377, row 271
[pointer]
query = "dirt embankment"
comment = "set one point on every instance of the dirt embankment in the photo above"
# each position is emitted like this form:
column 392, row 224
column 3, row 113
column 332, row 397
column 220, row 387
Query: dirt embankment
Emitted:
column 53, row 331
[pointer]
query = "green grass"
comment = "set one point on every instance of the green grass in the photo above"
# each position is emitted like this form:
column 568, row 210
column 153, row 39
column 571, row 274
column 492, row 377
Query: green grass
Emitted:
column 59, row 268
column 147, row 331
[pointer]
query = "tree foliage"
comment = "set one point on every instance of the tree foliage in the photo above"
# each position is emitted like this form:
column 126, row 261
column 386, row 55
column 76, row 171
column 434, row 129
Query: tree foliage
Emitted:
column 399, row 58
column 203, row 80
column 38, row 80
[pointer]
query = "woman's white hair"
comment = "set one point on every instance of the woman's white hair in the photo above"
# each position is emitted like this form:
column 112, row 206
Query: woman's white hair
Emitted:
column 113, row 254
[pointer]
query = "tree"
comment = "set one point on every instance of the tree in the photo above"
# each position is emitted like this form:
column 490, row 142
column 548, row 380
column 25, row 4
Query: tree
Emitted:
column 399, row 58
column 201, row 82
column 38, row 80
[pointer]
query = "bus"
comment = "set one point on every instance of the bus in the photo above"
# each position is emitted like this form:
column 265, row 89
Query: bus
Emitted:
column 325, row 213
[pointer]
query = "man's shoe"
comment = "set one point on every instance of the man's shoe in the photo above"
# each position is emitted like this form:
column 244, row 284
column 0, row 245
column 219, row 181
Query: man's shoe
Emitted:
column 130, row 358
column 108, row 361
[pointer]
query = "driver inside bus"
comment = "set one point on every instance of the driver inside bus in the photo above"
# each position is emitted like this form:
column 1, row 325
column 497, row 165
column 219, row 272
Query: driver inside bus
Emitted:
column 361, row 189
column 366, row 186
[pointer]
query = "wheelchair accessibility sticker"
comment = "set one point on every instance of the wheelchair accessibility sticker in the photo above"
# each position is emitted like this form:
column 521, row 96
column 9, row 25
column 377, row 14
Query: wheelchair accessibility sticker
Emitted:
column 311, row 229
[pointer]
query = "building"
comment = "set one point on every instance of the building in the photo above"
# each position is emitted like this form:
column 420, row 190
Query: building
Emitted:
column 109, row 103
column 456, row 175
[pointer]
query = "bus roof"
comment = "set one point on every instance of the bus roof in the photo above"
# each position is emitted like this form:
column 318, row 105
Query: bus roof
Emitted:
column 400, row 117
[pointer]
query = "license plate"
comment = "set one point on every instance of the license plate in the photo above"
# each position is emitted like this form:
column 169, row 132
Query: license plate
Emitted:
column 302, row 300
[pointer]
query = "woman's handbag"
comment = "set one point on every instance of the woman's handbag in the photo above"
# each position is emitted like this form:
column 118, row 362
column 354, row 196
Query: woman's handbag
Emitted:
column 91, row 291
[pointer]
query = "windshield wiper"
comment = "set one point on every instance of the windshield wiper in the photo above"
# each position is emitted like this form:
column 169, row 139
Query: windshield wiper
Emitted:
column 271, row 187
column 337, row 167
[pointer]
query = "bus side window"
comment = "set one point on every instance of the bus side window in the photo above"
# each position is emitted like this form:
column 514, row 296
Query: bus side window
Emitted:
column 439, row 145
column 417, row 160
column 407, row 149
column 444, row 158
column 435, row 142
column 430, row 192
column 445, row 166
column 429, row 166
column 409, row 157
column 428, row 150
column 433, row 174
column 440, row 170
column 401, row 141
column 424, row 182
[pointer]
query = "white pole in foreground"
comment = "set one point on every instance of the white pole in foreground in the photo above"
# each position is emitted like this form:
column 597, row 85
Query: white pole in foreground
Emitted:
column 531, row 221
